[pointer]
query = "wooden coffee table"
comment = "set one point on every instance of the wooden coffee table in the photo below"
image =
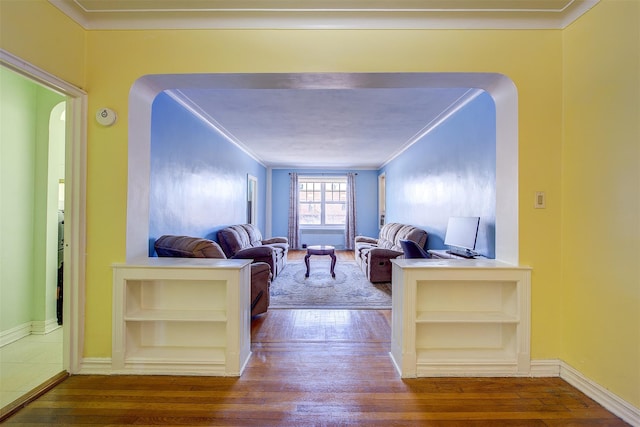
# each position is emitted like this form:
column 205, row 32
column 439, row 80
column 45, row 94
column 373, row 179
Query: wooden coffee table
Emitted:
column 321, row 250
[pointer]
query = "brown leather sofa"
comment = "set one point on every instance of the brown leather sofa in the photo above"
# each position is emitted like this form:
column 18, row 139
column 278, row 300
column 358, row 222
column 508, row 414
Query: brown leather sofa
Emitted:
column 374, row 255
column 245, row 241
column 195, row 247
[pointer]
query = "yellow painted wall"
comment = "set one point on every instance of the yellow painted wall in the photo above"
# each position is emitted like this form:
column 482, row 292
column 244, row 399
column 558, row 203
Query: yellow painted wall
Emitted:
column 601, row 197
column 40, row 34
column 532, row 59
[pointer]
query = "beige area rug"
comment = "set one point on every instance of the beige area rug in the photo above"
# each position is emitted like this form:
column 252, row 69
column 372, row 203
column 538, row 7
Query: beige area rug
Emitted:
column 349, row 289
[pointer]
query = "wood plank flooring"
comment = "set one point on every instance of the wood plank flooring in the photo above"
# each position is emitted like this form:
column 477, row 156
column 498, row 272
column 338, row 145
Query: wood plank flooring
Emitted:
column 314, row 368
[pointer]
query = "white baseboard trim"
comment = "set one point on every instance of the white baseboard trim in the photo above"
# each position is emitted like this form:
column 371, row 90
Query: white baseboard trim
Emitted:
column 616, row 405
column 610, row 401
column 545, row 368
column 14, row 334
column 43, row 327
column 95, row 366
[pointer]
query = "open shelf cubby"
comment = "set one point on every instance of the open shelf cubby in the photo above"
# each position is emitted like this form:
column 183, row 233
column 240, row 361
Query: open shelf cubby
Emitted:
column 460, row 317
column 176, row 316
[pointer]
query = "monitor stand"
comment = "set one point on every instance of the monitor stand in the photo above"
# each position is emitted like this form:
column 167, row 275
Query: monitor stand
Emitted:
column 465, row 253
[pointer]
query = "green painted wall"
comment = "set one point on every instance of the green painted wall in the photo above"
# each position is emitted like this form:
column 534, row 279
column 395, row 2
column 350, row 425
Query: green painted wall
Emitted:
column 17, row 181
column 26, row 293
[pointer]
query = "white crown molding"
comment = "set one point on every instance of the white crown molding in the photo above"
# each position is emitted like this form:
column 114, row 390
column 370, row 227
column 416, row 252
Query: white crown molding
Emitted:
column 456, row 106
column 324, row 14
column 198, row 112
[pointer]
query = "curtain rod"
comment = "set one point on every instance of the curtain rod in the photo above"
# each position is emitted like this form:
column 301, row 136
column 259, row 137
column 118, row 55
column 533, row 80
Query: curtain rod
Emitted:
column 322, row 174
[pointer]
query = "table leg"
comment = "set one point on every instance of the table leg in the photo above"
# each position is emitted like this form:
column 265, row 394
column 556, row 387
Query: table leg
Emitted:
column 333, row 264
column 306, row 261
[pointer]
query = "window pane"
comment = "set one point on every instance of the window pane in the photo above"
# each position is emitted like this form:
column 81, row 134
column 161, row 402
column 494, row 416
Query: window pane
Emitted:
column 310, row 192
column 310, row 213
column 322, row 202
column 335, row 213
column 335, row 192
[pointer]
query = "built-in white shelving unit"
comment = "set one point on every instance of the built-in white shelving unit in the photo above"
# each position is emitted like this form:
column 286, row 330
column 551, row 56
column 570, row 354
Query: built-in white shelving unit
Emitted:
column 460, row 317
column 181, row 316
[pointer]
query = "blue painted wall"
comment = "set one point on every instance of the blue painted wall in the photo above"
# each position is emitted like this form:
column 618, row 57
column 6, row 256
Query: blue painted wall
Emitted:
column 366, row 199
column 198, row 179
column 450, row 172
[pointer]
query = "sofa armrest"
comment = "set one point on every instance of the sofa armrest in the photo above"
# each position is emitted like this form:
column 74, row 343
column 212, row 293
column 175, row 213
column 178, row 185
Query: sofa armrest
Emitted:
column 259, row 254
column 380, row 254
column 379, row 264
column 255, row 252
column 275, row 240
column 365, row 239
column 260, row 281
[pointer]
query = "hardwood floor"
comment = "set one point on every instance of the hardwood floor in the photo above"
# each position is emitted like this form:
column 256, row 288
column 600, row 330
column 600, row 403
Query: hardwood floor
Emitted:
column 315, row 368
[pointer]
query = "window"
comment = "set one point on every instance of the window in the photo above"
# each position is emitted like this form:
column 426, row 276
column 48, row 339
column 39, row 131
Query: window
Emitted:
column 322, row 201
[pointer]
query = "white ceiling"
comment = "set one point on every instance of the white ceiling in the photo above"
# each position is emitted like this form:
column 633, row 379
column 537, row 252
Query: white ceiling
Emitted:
column 323, row 128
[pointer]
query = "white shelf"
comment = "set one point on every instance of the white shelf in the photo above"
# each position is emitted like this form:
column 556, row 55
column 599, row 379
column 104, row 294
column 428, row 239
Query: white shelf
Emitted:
column 464, row 356
column 181, row 316
column 164, row 355
column 465, row 317
column 147, row 315
column 460, row 317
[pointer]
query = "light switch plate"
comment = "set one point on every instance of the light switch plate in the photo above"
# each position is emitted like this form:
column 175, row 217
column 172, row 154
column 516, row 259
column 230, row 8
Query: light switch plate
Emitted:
column 540, row 201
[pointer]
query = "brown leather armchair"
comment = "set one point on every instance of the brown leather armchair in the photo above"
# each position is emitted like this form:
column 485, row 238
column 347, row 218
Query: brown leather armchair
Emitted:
column 374, row 254
column 245, row 241
column 195, row 247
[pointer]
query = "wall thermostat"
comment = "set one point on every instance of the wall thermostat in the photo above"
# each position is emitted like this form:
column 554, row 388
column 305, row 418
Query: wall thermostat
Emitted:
column 106, row 116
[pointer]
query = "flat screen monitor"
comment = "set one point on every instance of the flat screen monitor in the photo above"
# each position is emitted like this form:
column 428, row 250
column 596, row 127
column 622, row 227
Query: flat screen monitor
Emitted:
column 461, row 235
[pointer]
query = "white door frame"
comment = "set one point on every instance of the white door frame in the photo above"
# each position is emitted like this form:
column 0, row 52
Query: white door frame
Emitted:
column 75, row 209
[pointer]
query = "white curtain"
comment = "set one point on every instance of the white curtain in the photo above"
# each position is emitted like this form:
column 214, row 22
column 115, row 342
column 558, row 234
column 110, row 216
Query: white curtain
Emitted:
column 294, row 220
column 350, row 224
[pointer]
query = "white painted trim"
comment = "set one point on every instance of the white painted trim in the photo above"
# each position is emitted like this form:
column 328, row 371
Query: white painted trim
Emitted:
column 545, row 368
column 268, row 228
column 452, row 109
column 322, row 14
column 43, row 327
column 96, row 366
column 198, row 112
column 75, row 197
column 14, row 334
column 604, row 397
column 613, row 403
column 582, row 7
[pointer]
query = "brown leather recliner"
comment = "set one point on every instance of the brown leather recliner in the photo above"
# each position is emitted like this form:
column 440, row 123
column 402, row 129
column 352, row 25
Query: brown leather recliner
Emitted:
column 195, row 247
column 245, row 241
column 374, row 255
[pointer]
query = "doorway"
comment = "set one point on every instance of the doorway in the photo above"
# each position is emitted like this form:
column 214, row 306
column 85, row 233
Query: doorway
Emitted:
column 499, row 87
column 33, row 135
column 42, row 193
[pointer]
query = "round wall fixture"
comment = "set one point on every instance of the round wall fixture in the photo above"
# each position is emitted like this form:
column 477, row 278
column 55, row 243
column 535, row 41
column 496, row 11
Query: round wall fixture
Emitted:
column 106, row 116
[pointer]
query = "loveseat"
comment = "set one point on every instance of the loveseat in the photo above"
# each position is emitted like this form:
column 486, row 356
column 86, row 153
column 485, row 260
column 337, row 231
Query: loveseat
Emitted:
column 195, row 247
column 245, row 241
column 374, row 255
